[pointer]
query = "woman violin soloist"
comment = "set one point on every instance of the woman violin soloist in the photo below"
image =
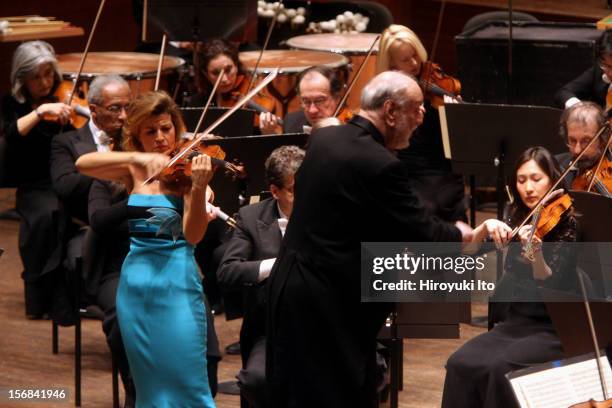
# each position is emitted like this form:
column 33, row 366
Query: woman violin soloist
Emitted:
column 440, row 190
column 31, row 117
column 541, row 255
column 160, row 292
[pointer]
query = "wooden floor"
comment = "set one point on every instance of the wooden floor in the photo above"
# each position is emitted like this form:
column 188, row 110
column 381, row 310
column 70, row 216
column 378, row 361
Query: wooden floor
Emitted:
column 26, row 360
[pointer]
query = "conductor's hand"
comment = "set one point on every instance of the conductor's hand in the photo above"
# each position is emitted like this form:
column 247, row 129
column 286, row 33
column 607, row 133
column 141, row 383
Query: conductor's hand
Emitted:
column 269, row 123
column 467, row 232
column 201, row 171
column 498, row 231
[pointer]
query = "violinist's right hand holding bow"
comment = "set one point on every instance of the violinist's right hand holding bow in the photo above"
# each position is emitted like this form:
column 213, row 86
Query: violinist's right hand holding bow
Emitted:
column 54, row 111
column 270, row 124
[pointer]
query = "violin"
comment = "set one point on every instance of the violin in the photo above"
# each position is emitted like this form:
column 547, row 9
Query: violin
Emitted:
column 593, row 404
column 178, row 175
column 436, row 84
column 546, row 217
column 603, row 179
column 260, row 102
column 80, row 106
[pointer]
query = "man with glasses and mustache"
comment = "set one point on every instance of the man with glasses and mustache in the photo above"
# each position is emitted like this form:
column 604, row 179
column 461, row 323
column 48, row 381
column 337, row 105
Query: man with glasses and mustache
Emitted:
column 319, row 89
column 595, row 83
column 108, row 98
column 579, row 125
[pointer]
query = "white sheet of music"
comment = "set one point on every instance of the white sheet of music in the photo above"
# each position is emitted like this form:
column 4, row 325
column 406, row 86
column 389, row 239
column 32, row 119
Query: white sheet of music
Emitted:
column 560, row 387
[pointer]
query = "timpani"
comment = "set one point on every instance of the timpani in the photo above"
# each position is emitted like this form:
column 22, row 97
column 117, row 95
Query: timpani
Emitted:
column 291, row 63
column 354, row 46
column 138, row 69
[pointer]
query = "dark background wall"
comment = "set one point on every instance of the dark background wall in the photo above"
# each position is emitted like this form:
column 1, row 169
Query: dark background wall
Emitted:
column 118, row 30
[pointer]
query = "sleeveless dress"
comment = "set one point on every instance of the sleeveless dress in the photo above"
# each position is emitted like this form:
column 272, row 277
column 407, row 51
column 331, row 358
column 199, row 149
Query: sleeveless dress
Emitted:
column 160, row 307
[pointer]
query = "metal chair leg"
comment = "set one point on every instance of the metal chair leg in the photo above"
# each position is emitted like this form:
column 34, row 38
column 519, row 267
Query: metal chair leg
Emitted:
column 54, row 337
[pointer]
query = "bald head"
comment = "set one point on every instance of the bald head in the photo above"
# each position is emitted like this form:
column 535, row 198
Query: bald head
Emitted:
column 393, row 101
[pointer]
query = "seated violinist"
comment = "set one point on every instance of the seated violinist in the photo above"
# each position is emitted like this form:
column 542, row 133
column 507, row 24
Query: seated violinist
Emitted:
column 441, row 191
column 579, row 125
column 218, row 57
column 31, row 116
column 524, row 334
column 319, row 88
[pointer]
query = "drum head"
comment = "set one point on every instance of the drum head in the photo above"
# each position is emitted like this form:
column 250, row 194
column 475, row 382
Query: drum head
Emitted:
column 348, row 44
column 129, row 65
column 290, row 61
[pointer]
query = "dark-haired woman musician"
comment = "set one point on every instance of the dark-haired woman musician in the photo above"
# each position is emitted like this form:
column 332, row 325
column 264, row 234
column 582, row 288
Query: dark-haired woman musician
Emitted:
column 524, row 334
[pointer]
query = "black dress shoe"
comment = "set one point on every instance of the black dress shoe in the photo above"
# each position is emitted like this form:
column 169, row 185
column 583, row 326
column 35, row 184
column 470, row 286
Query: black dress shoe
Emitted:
column 229, row 388
column 233, row 349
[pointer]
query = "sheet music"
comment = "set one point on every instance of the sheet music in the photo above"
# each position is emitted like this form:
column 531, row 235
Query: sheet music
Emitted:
column 444, row 131
column 560, row 387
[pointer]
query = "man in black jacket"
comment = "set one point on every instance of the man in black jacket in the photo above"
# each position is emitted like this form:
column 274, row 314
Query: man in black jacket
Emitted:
column 593, row 84
column 321, row 340
column 248, row 260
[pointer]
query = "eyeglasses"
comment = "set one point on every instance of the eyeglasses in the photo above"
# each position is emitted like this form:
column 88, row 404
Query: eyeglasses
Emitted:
column 115, row 109
column 604, row 66
column 573, row 143
column 318, row 102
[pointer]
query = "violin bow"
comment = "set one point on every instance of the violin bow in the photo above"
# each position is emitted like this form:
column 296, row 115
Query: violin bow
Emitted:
column 587, row 308
column 197, row 139
column 84, row 56
column 599, row 163
column 208, row 102
column 357, row 74
column 265, row 45
column 162, row 52
column 560, row 179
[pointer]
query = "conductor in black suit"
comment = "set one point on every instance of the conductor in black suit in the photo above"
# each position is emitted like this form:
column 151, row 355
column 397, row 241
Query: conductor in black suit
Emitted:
column 321, row 340
column 593, row 84
column 248, row 260
column 108, row 97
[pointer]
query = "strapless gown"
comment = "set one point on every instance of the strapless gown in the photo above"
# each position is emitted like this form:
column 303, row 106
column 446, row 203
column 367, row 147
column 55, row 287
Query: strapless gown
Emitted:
column 160, row 308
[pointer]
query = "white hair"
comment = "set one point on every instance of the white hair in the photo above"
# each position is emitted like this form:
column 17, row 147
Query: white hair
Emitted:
column 26, row 60
column 388, row 85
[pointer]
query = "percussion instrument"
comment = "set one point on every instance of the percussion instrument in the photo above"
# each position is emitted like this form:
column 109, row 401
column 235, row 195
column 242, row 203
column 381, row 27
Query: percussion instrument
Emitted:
column 354, row 46
column 291, row 63
column 138, row 69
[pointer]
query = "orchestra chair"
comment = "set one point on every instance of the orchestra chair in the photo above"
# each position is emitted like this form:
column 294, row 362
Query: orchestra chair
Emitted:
column 88, row 264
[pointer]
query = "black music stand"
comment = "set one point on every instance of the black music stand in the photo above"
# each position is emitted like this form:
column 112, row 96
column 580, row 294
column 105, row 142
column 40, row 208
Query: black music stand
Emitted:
column 239, row 124
column 486, row 139
column 252, row 151
column 197, row 20
column 595, row 259
column 569, row 318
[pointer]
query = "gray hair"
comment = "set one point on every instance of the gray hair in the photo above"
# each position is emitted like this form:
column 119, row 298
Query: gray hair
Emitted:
column 26, row 60
column 282, row 163
column 582, row 113
column 388, row 85
column 94, row 94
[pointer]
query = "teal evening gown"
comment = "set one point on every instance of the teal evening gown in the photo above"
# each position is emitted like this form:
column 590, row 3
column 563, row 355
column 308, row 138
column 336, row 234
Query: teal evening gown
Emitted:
column 160, row 308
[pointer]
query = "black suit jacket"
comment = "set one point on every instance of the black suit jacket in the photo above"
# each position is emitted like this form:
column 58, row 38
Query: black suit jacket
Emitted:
column 294, row 122
column 71, row 186
column 321, row 340
column 256, row 237
column 589, row 86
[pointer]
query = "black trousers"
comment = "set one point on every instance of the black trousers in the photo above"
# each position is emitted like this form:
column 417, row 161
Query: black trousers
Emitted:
column 252, row 378
column 41, row 234
column 107, row 295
